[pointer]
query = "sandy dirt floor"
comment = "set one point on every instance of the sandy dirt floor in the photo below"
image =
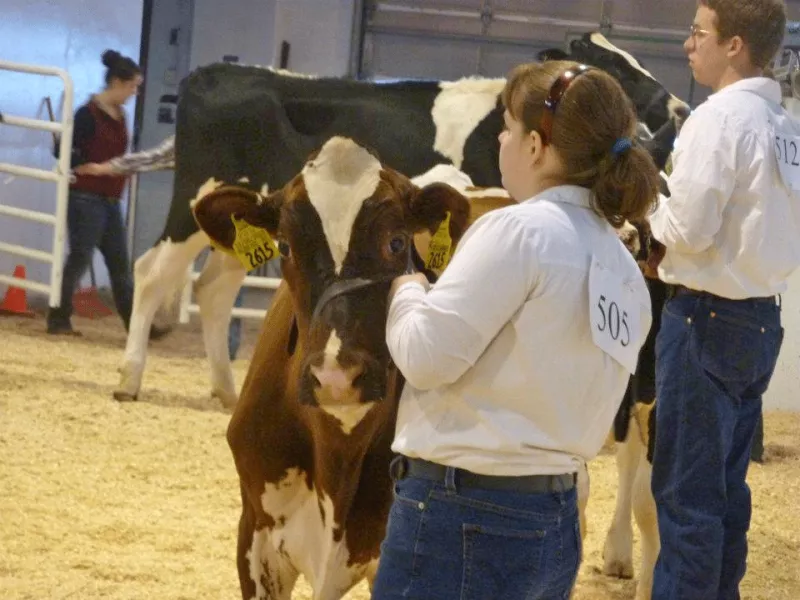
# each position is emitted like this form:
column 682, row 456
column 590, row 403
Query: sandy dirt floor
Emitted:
column 140, row 500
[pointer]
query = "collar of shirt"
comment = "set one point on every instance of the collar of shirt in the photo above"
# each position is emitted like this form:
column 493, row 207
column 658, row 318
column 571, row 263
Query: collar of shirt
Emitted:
column 769, row 89
column 567, row 194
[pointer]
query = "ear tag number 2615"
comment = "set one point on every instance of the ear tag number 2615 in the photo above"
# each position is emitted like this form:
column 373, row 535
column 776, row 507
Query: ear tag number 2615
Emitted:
column 253, row 246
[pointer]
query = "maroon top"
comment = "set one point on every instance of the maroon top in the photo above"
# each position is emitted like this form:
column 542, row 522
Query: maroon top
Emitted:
column 98, row 137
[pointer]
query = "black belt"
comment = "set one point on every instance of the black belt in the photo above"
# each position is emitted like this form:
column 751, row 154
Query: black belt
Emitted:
column 680, row 290
column 402, row 466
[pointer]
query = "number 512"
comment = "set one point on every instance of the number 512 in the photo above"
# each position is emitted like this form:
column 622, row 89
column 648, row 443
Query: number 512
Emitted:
column 784, row 155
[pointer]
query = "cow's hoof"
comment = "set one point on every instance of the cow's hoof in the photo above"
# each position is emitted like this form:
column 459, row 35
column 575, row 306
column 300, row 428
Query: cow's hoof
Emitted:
column 618, row 568
column 228, row 400
column 122, row 396
column 156, row 333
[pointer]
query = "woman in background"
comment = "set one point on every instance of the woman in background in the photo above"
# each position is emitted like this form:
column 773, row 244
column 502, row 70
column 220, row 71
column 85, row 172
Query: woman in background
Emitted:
column 94, row 218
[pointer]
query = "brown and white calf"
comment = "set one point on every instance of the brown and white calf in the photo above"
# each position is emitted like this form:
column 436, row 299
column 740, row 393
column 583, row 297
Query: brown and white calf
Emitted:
column 311, row 432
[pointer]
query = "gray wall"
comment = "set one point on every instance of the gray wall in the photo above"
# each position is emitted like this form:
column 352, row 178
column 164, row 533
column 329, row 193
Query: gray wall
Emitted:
column 70, row 34
column 242, row 28
column 320, row 34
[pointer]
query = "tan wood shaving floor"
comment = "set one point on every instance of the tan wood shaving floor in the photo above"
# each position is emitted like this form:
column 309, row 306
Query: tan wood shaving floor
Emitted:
column 135, row 501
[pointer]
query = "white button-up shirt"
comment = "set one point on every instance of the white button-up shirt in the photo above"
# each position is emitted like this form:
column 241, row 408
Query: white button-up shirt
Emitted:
column 731, row 225
column 502, row 373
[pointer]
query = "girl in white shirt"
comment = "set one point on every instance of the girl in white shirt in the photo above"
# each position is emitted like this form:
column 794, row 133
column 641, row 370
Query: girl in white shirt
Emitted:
column 517, row 360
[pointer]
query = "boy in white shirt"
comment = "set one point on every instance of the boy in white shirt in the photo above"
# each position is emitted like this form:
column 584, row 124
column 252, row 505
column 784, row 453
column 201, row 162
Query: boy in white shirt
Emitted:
column 731, row 228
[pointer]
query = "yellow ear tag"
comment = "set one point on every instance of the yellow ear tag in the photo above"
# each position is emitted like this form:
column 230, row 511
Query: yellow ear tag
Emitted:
column 439, row 247
column 253, row 246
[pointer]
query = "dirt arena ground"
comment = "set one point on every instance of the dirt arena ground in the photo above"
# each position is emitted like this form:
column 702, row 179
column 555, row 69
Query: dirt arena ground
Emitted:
column 134, row 501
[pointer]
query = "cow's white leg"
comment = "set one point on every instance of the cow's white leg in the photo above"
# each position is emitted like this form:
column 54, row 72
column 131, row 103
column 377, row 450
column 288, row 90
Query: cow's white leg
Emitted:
column 271, row 574
column 618, row 548
column 371, row 573
column 156, row 274
column 216, row 291
column 583, row 497
column 644, row 509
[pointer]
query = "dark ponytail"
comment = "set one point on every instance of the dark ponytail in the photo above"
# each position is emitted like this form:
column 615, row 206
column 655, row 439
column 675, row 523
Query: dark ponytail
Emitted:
column 119, row 67
column 627, row 185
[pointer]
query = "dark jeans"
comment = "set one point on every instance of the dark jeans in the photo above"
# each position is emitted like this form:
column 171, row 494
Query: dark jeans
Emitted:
column 94, row 222
column 714, row 361
column 450, row 542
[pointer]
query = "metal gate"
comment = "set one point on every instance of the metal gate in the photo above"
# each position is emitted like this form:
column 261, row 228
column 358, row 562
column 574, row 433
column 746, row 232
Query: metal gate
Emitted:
column 61, row 177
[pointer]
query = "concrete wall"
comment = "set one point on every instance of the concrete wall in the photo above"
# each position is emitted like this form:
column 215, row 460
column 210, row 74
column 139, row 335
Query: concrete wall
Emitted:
column 243, row 28
column 319, row 32
column 70, row 34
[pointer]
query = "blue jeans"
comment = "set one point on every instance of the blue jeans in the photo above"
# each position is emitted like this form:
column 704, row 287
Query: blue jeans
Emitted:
column 94, row 222
column 448, row 542
column 714, row 361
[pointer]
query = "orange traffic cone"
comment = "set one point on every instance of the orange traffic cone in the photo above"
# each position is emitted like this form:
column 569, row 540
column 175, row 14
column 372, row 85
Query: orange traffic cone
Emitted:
column 86, row 302
column 15, row 302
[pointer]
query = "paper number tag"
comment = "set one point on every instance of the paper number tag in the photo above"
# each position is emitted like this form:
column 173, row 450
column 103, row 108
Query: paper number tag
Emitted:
column 439, row 247
column 253, row 246
column 787, row 150
column 614, row 316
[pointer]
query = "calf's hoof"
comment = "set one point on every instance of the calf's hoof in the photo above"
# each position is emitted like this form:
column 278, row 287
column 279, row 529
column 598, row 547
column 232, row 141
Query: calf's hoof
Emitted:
column 123, row 396
column 227, row 399
column 618, row 568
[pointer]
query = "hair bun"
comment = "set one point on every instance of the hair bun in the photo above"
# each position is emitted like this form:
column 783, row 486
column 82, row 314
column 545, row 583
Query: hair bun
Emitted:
column 111, row 57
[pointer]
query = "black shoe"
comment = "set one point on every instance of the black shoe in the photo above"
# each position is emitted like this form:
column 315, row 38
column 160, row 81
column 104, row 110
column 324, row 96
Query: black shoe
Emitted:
column 62, row 329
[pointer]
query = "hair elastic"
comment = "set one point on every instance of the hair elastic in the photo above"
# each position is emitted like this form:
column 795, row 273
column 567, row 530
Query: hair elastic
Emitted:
column 621, row 146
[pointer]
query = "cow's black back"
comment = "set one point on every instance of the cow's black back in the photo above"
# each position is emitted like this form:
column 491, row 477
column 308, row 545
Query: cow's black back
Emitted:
column 235, row 122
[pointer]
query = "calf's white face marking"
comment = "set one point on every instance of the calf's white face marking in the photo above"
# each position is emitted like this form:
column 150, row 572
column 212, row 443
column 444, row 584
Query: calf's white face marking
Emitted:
column 336, row 395
column 335, row 382
column 338, row 181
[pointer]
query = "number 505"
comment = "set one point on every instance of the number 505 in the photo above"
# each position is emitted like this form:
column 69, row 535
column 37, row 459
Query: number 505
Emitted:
column 613, row 321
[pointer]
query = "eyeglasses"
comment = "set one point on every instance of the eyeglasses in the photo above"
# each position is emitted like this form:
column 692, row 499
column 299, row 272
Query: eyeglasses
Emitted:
column 557, row 91
column 695, row 31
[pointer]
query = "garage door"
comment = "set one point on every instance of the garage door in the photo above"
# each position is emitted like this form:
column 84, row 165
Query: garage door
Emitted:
column 448, row 39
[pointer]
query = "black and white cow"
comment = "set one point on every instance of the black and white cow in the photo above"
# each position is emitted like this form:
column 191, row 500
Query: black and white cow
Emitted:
column 257, row 125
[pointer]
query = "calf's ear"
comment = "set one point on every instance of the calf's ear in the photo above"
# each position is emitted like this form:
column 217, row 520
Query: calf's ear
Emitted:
column 429, row 206
column 439, row 216
column 216, row 212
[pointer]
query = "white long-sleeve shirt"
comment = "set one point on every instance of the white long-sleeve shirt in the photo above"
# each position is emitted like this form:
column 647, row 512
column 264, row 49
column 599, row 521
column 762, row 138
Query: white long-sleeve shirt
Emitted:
column 503, row 376
column 731, row 225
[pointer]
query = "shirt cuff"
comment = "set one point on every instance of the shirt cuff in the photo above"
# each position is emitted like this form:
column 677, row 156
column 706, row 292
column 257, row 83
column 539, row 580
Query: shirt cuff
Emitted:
column 410, row 291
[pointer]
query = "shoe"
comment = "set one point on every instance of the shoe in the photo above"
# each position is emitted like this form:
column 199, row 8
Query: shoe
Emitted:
column 62, row 329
